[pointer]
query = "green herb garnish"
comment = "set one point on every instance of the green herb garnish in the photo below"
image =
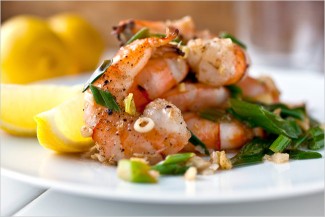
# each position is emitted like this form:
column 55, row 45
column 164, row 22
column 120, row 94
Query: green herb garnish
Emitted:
column 99, row 71
column 301, row 155
column 281, row 143
column 212, row 114
column 142, row 33
column 233, row 39
column 235, row 91
column 297, row 112
column 174, row 164
column 104, row 98
column 256, row 115
column 170, row 169
column 251, row 153
column 135, row 171
column 177, row 158
column 197, row 142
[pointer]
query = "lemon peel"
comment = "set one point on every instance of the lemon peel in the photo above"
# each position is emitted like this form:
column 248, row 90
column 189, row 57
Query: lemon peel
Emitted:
column 59, row 128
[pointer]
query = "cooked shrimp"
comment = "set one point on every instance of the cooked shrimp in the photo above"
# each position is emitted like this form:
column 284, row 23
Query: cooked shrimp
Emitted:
column 221, row 135
column 146, row 64
column 194, row 97
column 216, row 62
column 127, row 28
column 262, row 89
column 117, row 137
column 114, row 132
column 160, row 74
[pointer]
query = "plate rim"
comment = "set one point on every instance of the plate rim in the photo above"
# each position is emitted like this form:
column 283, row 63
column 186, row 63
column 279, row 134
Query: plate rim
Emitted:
column 80, row 189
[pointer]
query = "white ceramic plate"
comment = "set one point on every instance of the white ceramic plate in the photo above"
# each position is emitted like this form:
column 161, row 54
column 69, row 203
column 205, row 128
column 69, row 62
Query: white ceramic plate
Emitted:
column 26, row 160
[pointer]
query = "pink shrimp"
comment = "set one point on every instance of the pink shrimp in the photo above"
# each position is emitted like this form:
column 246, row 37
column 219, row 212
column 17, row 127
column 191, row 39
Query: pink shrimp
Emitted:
column 262, row 89
column 224, row 134
column 195, row 96
column 127, row 28
column 114, row 132
column 216, row 62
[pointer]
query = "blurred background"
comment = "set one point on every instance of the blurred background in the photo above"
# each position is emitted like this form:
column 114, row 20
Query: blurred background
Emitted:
column 286, row 34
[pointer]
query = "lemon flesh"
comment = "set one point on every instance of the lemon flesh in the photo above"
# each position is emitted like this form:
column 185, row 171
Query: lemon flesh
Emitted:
column 59, row 128
column 20, row 103
column 85, row 43
column 31, row 51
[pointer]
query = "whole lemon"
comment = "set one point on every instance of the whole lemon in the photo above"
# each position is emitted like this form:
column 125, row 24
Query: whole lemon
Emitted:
column 31, row 51
column 84, row 42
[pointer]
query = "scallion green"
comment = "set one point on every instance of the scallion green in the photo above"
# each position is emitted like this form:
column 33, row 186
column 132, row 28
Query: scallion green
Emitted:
column 142, row 33
column 197, row 142
column 99, row 71
column 104, row 98
column 256, row 115
column 280, row 143
column 302, row 155
column 233, row 39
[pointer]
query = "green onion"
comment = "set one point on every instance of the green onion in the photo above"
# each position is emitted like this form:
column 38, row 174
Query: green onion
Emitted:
column 235, row 91
column 301, row 155
column 177, row 158
column 235, row 40
column 197, row 142
column 173, row 164
column 142, row 33
column 170, row 169
column 99, row 71
column 313, row 122
column 317, row 138
column 251, row 153
column 104, row 98
column 212, row 114
column 256, row 115
column 298, row 112
column 135, row 171
column 313, row 138
column 280, row 143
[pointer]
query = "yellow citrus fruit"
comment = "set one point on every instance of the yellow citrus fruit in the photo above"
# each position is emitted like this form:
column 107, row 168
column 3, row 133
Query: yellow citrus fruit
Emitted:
column 20, row 103
column 31, row 51
column 59, row 128
column 85, row 43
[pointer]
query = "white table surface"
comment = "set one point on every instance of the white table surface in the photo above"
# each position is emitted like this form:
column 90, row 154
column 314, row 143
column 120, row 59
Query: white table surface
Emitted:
column 21, row 199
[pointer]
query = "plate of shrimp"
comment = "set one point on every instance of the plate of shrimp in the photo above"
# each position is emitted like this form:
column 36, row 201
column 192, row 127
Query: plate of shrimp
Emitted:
column 180, row 116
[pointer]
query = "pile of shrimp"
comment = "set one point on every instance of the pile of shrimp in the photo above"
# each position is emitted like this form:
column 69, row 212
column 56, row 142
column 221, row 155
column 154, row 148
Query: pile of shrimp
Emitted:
column 171, row 83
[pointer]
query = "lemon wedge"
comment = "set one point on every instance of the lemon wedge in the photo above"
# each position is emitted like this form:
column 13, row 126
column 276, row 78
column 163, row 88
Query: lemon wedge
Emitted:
column 20, row 103
column 59, row 128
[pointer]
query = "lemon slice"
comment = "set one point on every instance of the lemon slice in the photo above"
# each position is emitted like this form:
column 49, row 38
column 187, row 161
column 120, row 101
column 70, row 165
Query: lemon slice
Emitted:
column 20, row 103
column 59, row 128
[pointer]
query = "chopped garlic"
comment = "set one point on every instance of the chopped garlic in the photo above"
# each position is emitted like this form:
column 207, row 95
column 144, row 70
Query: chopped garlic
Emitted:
column 86, row 131
column 198, row 163
column 277, row 158
column 190, row 174
column 220, row 158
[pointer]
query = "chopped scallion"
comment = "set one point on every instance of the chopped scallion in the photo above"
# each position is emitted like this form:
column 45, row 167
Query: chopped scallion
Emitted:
column 256, row 115
column 235, row 91
column 197, row 142
column 233, row 39
column 301, row 155
column 142, row 33
column 99, row 71
column 280, row 143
